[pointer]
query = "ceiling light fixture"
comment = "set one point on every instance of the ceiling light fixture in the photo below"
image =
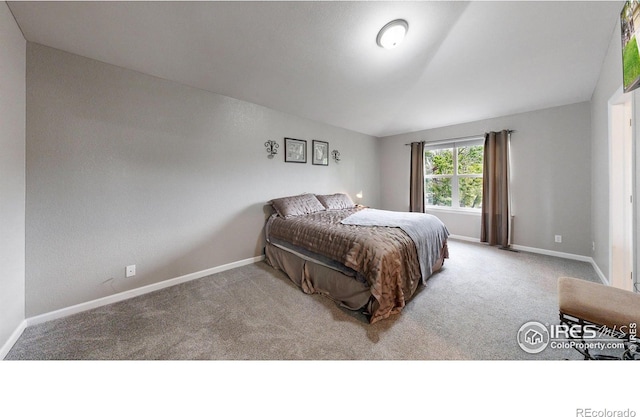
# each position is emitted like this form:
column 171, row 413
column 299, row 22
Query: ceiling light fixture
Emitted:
column 392, row 33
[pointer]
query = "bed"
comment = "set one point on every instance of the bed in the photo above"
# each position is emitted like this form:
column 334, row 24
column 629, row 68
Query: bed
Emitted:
column 364, row 259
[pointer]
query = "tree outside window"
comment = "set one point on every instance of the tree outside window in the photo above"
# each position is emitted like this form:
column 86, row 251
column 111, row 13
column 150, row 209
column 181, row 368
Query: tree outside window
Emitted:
column 453, row 175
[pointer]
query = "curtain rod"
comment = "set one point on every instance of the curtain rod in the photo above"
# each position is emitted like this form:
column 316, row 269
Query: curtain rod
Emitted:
column 463, row 138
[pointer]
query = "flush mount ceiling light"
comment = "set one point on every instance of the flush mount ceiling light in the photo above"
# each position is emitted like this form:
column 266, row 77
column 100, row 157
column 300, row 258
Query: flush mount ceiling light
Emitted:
column 392, row 33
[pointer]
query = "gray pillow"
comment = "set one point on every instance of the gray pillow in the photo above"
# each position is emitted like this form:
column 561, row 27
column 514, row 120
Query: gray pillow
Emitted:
column 297, row 205
column 337, row 201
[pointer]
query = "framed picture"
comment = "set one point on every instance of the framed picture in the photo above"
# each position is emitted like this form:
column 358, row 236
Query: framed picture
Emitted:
column 630, row 29
column 295, row 150
column 320, row 153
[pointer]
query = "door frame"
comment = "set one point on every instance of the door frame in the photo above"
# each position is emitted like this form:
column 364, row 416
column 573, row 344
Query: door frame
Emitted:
column 621, row 189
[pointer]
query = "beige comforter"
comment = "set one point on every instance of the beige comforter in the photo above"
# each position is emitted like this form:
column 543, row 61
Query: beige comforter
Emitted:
column 386, row 256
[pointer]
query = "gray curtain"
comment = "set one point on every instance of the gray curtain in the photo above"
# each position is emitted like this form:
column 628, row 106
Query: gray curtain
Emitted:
column 495, row 191
column 416, row 187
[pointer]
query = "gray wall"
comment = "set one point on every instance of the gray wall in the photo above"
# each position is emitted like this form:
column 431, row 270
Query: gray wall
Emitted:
column 12, row 174
column 125, row 168
column 609, row 82
column 551, row 185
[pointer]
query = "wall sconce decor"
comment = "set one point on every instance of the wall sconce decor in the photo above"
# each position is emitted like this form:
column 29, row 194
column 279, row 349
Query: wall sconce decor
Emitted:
column 335, row 154
column 272, row 148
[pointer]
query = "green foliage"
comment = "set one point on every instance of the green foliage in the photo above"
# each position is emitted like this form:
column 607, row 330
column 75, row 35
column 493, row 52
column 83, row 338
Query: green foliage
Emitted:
column 438, row 191
column 470, row 192
column 631, row 61
column 470, row 159
column 440, row 163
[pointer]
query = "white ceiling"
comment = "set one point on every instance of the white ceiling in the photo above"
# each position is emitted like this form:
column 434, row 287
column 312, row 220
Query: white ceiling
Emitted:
column 460, row 61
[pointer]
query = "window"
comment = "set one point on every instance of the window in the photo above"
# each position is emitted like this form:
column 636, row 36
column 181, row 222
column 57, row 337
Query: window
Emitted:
column 453, row 175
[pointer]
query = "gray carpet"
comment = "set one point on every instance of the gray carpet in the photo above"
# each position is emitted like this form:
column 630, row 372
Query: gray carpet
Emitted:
column 471, row 310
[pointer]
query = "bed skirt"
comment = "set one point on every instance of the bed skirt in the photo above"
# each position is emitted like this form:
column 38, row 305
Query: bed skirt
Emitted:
column 316, row 278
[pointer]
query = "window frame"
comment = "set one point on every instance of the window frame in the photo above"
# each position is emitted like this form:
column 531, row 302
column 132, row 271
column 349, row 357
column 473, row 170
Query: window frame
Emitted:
column 455, row 184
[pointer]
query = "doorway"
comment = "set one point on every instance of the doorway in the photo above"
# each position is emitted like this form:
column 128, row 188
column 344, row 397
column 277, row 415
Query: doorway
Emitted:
column 621, row 191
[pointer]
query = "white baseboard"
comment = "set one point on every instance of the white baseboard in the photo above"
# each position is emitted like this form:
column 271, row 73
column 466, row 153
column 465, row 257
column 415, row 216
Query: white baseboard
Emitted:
column 125, row 295
column 465, row 238
column 12, row 339
column 603, row 278
column 557, row 254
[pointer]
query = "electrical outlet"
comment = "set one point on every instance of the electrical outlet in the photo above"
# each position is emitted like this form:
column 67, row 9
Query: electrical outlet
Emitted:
column 558, row 238
column 130, row 271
